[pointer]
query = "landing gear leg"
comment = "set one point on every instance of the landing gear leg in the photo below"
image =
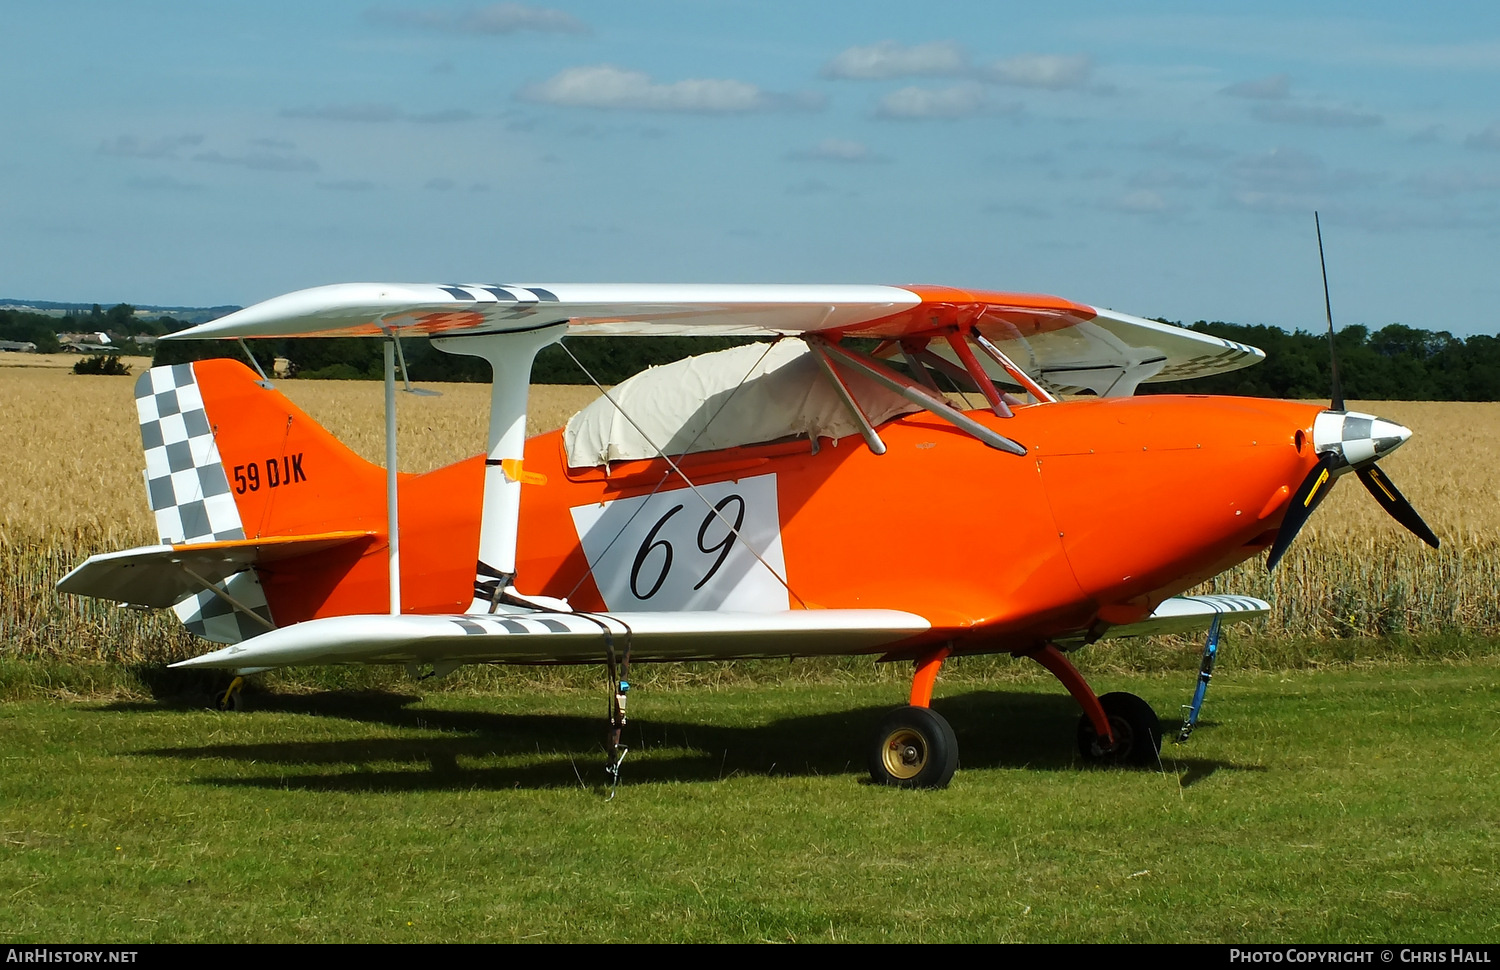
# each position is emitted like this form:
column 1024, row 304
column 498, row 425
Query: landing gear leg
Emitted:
column 915, row 746
column 1116, row 729
column 231, row 700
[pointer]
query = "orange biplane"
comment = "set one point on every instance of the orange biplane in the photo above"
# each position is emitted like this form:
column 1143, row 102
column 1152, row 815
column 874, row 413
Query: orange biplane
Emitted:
column 798, row 496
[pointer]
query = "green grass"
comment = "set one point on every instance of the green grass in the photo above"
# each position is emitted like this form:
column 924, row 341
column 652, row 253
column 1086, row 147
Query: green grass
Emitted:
column 1343, row 804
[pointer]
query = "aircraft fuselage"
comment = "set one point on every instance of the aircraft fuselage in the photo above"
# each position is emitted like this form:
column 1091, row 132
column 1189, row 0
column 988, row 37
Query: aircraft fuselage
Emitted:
column 1118, row 504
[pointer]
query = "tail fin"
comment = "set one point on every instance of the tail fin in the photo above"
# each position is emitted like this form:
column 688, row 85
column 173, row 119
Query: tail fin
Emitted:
column 230, row 459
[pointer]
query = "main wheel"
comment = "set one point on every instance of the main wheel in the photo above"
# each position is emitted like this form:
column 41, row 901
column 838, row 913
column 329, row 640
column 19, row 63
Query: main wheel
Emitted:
column 914, row 748
column 1136, row 728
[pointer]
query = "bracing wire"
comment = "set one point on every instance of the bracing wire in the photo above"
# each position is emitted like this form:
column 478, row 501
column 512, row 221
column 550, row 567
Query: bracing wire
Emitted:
column 674, row 467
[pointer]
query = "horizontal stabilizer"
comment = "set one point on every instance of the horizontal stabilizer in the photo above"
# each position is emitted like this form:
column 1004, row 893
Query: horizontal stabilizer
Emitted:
column 162, row 576
column 549, row 638
column 1188, row 614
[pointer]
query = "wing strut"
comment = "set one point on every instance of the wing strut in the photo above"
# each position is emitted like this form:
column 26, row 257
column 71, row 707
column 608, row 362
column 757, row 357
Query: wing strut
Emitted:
column 1017, row 374
column 406, row 376
column 222, row 593
column 264, row 380
column 866, row 430
column 392, row 516
column 987, row 387
column 661, row 453
column 510, row 354
column 917, row 394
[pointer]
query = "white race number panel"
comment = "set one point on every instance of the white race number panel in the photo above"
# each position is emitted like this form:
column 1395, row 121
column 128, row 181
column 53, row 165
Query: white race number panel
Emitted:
column 676, row 551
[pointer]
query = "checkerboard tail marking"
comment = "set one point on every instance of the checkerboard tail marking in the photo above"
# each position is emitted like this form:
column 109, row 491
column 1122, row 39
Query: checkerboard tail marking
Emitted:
column 185, row 481
column 189, row 493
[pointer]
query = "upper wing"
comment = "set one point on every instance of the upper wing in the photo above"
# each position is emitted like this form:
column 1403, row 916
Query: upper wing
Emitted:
column 632, row 309
column 1111, row 353
column 1066, row 344
column 550, row 638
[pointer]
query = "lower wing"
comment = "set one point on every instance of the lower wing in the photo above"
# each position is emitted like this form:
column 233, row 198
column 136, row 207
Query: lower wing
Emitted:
column 561, row 638
column 553, row 638
column 1185, row 614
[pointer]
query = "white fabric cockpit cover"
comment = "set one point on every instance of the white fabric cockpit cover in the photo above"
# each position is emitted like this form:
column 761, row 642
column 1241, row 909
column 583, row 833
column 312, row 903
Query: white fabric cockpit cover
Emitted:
column 740, row 396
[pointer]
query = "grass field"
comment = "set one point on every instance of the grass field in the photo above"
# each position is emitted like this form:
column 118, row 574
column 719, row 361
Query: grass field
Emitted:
column 1351, row 804
column 1341, row 787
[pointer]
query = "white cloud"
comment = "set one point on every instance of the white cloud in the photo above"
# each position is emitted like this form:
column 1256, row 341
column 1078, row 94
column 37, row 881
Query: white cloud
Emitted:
column 606, row 86
column 368, row 112
column 494, row 18
column 1428, row 217
column 1273, row 88
column 1315, row 115
column 261, row 161
column 375, row 113
column 1427, row 135
column 1052, row 71
column 442, row 117
column 1272, row 202
column 129, row 146
column 1438, row 184
column 809, row 187
column 1141, row 202
column 164, row 183
column 1174, row 145
column 888, row 59
column 1022, row 209
column 959, row 101
column 836, row 150
column 1477, row 55
column 1290, row 180
column 1487, row 138
column 1161, row 178
column 1281, row 168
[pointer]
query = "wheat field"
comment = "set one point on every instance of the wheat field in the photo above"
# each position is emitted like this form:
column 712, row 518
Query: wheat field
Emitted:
column 71, row 486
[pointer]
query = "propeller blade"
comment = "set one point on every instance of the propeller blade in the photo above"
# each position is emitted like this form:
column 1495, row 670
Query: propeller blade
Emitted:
column 1395, row 503
column 1317, row 485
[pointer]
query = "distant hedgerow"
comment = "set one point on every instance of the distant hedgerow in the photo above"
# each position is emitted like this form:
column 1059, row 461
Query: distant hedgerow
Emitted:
column 109, row 366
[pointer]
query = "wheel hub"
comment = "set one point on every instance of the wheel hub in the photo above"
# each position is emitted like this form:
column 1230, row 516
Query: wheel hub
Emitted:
column 905, row 753
column 1124, row 738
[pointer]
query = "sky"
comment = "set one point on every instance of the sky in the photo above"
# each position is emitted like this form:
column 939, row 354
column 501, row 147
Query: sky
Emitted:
column 1160, row 158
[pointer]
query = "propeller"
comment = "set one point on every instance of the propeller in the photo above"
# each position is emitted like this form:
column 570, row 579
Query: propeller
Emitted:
column 1309, row 495
column 1391, row 499
column 1346, row 440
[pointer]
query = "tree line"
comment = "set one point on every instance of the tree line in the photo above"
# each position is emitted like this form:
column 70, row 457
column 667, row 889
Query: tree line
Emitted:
column 1396, row 362
column 42, row 329
column 609, row 360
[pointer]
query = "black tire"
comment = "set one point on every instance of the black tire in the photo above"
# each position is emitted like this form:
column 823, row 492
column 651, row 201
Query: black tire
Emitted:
column 914, row 748
column 1137, row 733
column 230, row 700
